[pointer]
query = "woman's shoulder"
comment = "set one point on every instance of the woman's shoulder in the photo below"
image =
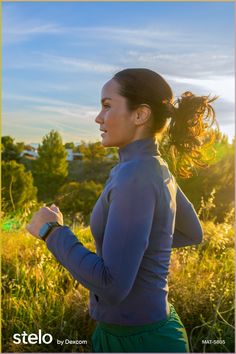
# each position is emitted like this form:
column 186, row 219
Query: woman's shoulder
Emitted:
column 139, row 170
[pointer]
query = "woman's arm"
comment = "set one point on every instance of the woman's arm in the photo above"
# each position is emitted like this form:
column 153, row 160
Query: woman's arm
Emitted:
column 188, row 230
column 125, row 240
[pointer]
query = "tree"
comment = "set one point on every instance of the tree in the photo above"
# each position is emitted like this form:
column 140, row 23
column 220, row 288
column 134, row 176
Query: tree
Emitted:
column 218, row 176
column 17, row 186
column 51, row 168
column 70, row 145
column 96, row 152
column 93, row 151
column 10, row 150
column 78, row 199
column 98, row 171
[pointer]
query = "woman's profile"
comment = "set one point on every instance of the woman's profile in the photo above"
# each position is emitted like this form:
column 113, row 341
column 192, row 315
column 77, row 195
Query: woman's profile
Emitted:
column 139, row 217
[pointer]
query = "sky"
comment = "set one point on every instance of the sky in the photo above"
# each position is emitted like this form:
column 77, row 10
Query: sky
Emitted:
column 57, row 56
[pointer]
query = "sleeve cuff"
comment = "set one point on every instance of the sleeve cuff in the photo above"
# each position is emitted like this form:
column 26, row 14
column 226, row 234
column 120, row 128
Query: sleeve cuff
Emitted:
column 54, row 233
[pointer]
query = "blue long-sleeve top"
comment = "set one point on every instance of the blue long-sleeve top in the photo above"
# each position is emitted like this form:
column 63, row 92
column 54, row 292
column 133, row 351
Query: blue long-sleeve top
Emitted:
column 139, row 217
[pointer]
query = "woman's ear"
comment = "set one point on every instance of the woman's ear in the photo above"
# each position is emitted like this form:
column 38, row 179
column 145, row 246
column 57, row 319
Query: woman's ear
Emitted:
column 143, row 114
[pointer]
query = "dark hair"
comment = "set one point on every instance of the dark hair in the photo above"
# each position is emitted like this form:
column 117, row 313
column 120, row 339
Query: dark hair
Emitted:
column 190, row 129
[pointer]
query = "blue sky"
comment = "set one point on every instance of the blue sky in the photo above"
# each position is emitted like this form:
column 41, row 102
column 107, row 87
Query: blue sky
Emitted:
column 57, row 56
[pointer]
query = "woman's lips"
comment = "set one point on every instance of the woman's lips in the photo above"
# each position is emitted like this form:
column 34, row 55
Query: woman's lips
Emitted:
column 103, row 132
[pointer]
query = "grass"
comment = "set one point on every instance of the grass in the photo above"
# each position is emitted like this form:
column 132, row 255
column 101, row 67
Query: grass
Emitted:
column 202, row 289
column 38, row 293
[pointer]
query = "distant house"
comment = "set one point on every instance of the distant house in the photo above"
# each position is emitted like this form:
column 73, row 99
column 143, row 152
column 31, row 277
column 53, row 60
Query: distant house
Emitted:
column 71, row 156
column 110, row 156
column 31, row 153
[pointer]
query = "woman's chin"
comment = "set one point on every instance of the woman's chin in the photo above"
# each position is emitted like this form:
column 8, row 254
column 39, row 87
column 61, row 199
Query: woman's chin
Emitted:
column 104, row 140
column 105, row 143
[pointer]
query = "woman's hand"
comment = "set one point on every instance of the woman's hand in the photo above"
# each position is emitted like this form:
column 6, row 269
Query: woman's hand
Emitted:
column 43, row 216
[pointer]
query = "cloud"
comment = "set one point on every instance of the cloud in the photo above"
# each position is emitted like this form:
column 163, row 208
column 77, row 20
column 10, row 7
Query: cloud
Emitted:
column 80, row 112
column 43, row 86
column 222, row 86
column 60, row 112
column 58, row 62
column 43, row 100
column 167, row 49
column 147, row 37
column 30, row 125
column 17, row 28
column 188, row 65
column 64, row 64
column 16, row 33
column 198, row 63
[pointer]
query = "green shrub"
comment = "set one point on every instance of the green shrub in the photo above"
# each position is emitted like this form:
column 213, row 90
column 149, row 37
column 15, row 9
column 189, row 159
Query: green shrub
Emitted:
column 76, row 200
column 17, row 186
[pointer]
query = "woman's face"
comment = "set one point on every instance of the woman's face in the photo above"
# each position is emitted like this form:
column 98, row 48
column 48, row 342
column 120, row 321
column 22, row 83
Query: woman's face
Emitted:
column 116, row 122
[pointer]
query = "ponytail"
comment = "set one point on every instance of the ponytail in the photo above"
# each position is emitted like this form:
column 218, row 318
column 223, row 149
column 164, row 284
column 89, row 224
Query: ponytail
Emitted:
column 187, row 143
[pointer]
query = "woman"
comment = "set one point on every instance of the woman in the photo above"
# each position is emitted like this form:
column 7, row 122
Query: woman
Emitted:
column 139, row 217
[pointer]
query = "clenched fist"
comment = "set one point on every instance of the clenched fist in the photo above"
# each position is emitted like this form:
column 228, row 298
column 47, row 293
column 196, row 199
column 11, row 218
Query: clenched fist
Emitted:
column 43, row 216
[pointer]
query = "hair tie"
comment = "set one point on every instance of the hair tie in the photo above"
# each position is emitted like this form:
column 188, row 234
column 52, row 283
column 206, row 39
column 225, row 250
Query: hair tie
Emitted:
column 169, row 109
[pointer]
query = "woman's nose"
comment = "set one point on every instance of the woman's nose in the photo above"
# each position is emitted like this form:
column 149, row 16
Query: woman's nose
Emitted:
column 99, row 118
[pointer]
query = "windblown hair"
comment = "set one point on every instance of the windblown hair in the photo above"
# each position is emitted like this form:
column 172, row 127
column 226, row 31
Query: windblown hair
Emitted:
column 187, row 141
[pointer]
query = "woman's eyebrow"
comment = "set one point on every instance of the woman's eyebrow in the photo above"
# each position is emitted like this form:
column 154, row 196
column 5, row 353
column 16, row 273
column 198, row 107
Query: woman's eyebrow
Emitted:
column 104, row 99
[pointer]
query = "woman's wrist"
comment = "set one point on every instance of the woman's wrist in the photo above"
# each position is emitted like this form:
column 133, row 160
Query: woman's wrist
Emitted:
column 52, row 232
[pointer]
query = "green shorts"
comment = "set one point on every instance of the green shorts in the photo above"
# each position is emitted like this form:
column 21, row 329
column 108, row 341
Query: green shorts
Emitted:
column 166, row 336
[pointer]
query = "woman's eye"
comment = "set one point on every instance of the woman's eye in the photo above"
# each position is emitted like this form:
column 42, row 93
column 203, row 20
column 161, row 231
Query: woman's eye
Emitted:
column 106, row 106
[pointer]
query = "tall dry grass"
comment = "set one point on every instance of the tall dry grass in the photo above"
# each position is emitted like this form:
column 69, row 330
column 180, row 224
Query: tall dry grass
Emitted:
column 38, row 293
